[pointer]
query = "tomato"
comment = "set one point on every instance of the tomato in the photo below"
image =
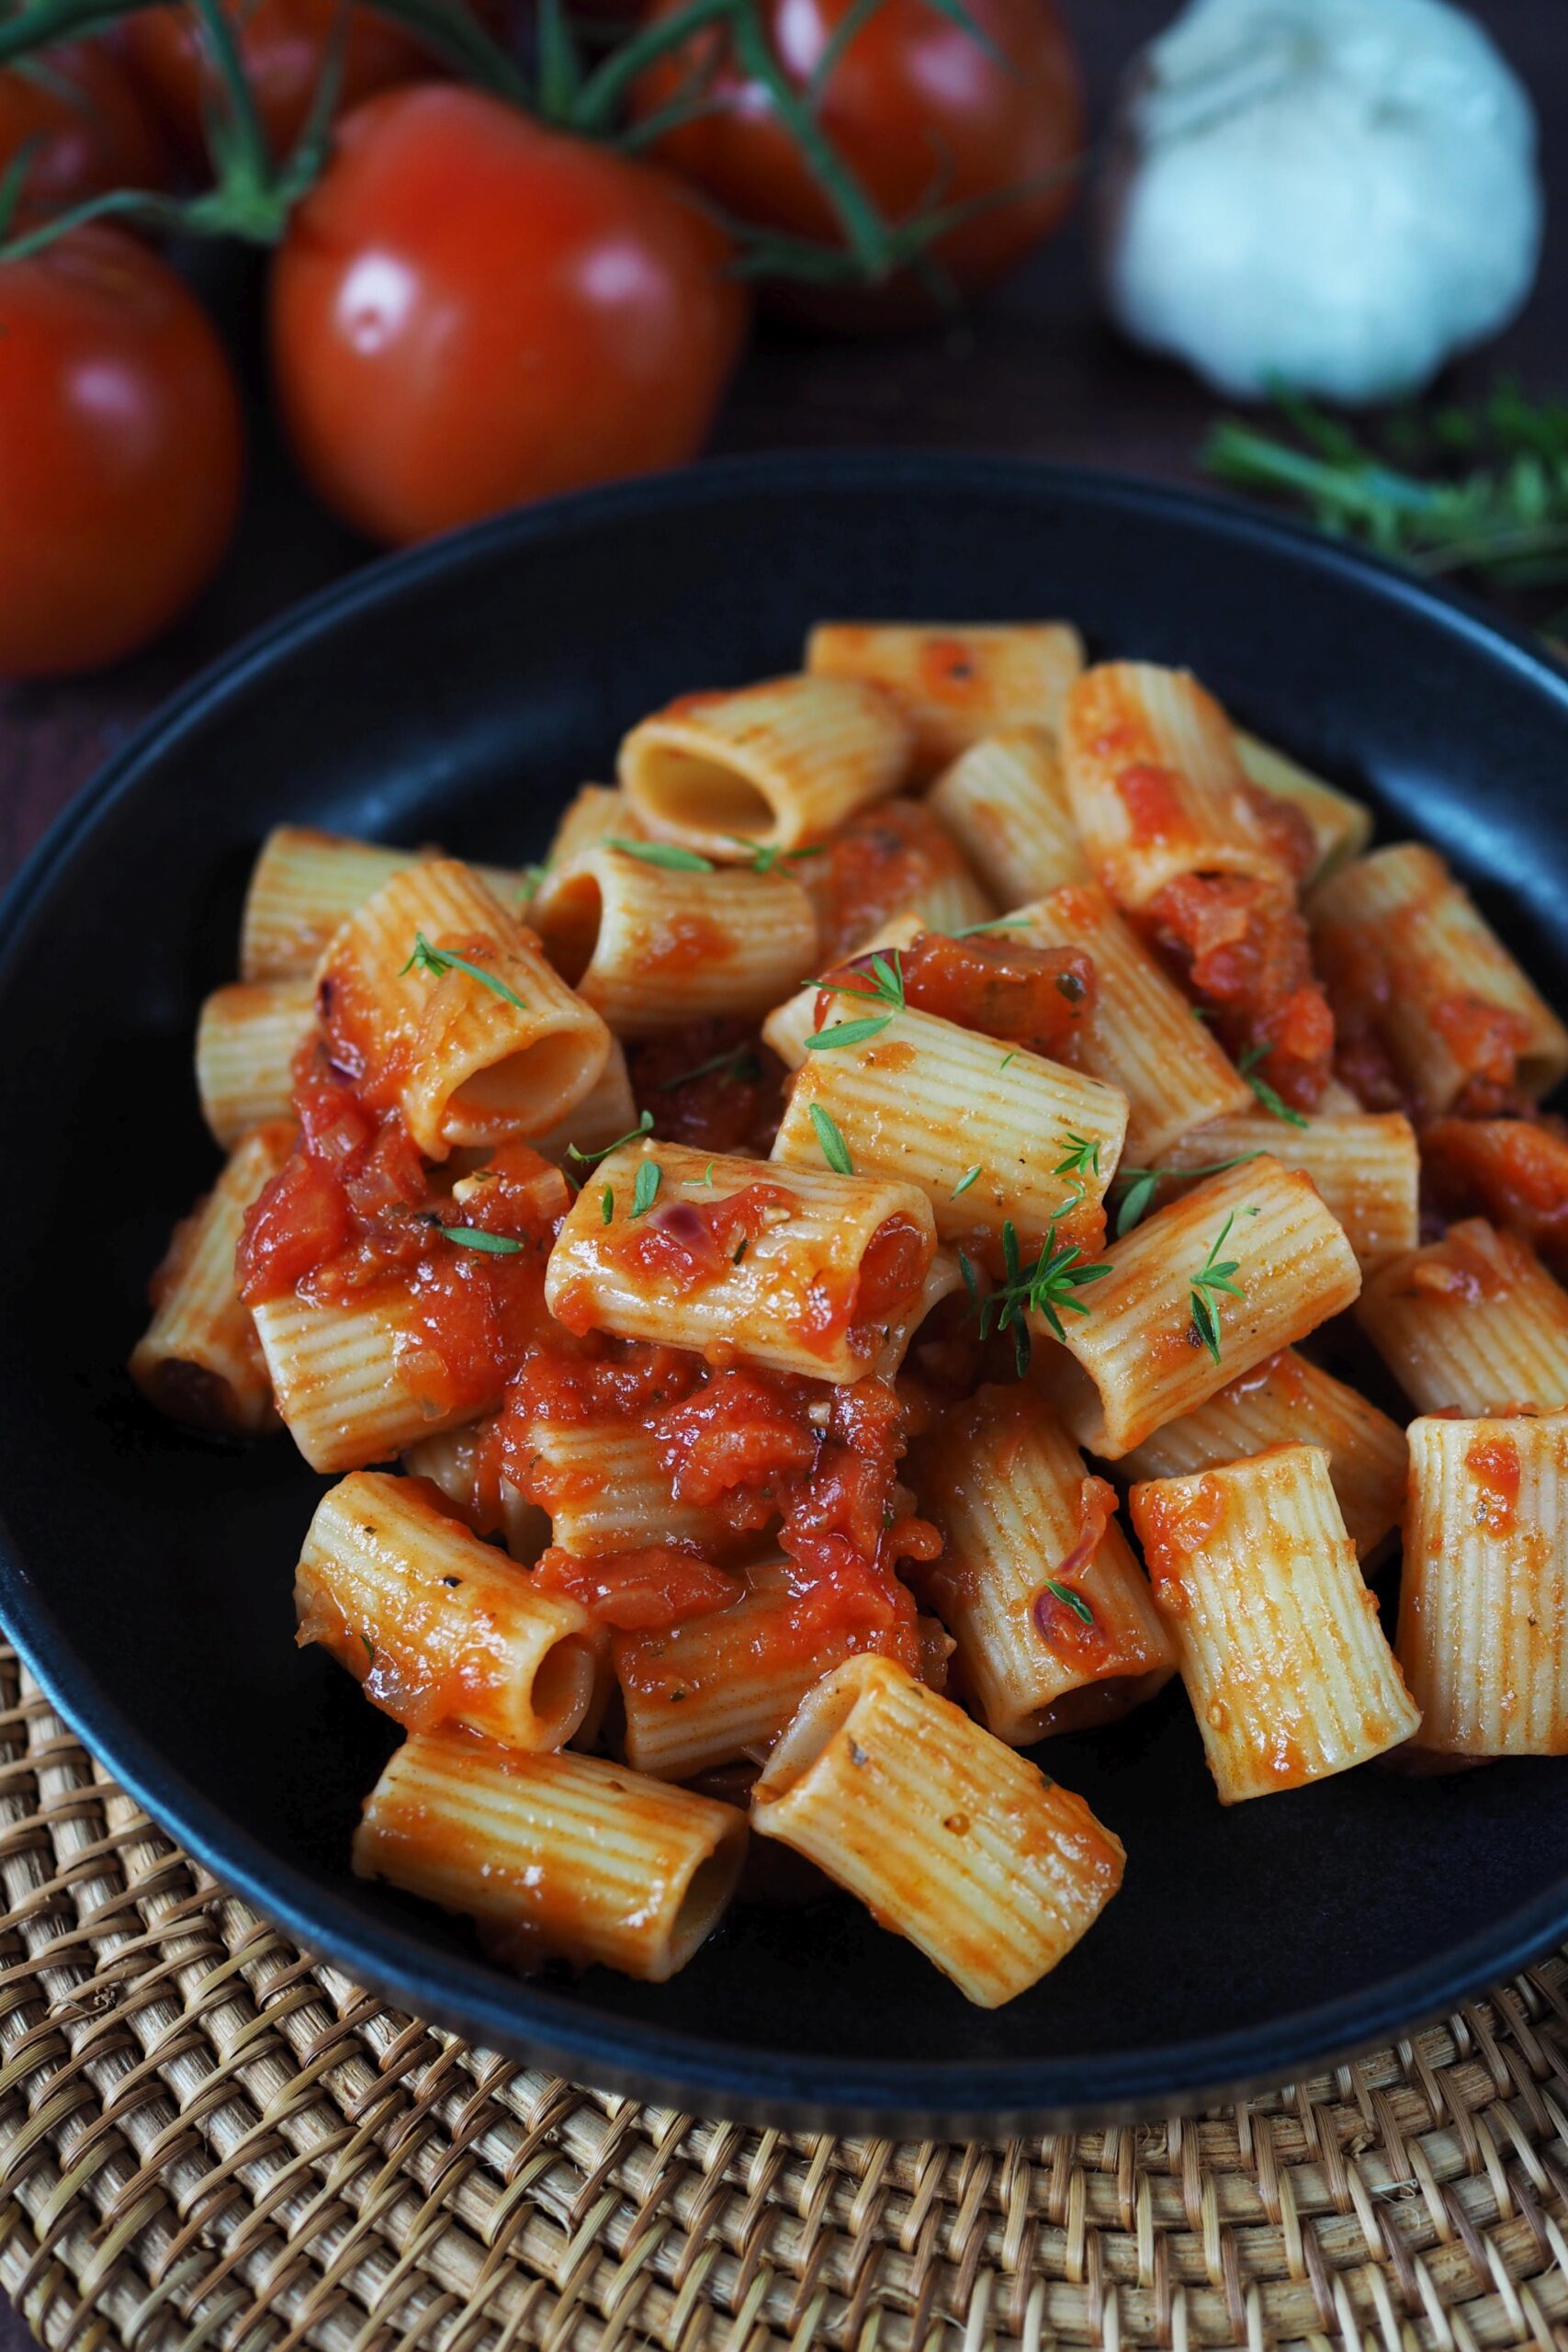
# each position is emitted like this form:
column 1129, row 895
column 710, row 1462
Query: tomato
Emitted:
column 468, row 311
column 283, row 45
column 93, row 131
column 925, row 113
column 121, row 451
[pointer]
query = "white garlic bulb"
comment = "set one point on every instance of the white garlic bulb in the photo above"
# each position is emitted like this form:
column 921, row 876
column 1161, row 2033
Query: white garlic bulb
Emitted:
column 1332, row 193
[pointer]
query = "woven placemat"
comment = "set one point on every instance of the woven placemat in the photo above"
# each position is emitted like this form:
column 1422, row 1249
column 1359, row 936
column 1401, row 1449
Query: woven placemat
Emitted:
column 207, row 2139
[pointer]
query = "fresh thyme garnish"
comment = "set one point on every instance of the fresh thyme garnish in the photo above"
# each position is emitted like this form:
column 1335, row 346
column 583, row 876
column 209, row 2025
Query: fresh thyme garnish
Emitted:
column 666, row 853
column 969, row 1176
column 739, row 1062
column 1273, row 1103
column 1006, row 1059
column 607, row 1205
column 1139, row 1190
column 646, row 1190
column 846, row 1033
column 1082, row 1160
column 1070, row 1600
column 591, row 1159
column 475, row 1237
column 1504, row 520
column 971, row 1280
column 996, row 922
column 1213, row 1276
column 369, row 1647
column 706, row 1179
column 1043, row 1287
column 439, row 961
column 835, row 1150
column 883, row 984
column 763, row 857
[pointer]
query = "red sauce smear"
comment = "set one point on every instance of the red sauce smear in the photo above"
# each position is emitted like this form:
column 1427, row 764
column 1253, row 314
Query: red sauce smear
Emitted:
column 1039, row 998
column 1084, row 1642
column 1152, row 798
column 1493, row 1464
column 1514, row 1171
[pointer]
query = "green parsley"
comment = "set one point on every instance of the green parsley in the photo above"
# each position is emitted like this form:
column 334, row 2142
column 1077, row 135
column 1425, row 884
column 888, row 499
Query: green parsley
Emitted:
column 1271, row 1102
column 1212, row 1277
column 1070, row 1600
column 969, row 1176
column 474, row 1236
column 646, row 1190
column 439, row 961
column 835, row 1150
column 666, row 853
column 1140, row 1189
column 591, row 1159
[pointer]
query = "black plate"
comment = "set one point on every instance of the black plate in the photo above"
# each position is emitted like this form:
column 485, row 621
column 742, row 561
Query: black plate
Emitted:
column 460, row 693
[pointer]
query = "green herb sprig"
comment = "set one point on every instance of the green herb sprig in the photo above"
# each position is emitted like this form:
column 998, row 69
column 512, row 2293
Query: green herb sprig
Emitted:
column 669, row 855
column 1070, row 1600
column 1140, row 1189
column 645, row 1192
column 1272, row 1103
column 1215, row 1275
column 439, row 961
column 476, row 1237
column 591, row 1159
column 883, row 984
column 1048, row 1287
column 829, row 1135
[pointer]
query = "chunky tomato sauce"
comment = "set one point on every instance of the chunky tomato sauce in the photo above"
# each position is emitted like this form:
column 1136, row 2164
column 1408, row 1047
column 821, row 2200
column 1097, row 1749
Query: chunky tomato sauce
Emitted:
column 1240, row 946
column 1039, row 998
column 1514, row 1171
column 713, row 1085
column 885, row 860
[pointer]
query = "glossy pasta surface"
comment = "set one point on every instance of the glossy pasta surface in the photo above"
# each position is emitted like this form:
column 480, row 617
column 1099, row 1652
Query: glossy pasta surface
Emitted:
column 964, row 1198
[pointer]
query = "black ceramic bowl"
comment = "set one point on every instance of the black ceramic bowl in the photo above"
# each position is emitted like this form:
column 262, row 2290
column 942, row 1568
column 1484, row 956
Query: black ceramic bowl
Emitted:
column 460, row 693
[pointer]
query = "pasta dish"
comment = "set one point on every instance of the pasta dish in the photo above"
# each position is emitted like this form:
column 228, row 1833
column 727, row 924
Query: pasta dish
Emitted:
column 961, row 1190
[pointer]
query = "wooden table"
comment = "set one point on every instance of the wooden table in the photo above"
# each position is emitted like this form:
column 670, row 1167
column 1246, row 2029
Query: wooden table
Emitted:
column 1035, row 371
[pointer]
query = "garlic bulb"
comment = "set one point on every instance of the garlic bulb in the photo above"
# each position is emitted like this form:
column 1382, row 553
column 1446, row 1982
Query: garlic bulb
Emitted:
column 1332, row 193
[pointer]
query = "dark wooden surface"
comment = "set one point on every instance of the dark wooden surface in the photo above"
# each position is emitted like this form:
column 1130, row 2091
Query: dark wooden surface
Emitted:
column 1033, row 372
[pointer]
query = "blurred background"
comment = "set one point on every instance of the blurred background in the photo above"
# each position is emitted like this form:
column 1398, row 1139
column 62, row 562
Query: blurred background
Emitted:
column 1330, row 195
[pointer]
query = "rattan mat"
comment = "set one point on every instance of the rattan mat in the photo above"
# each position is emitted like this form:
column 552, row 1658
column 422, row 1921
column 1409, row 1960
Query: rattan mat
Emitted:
column 207, row 2139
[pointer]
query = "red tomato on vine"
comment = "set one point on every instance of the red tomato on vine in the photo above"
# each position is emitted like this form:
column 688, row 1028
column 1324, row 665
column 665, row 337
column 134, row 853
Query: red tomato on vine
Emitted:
column 121, row 452
column 88, row 126
column 930, row 109
column 469, row 310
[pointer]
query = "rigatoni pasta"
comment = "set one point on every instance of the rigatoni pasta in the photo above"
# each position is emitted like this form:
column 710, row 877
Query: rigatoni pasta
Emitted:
column 1289, row 1401
column 1005, row 803
column 1284, row 1662
column 200, row 1358
column 1248, row 1264
column 955, row 682
column 774, row 765
column 246, row 1044
column 1419, row 978
column 1484, row 1602
column 438, row 1627
column 947, row 1836
column 667, row 946
column 557, row 1857
column 1470, row 1324
column 991, row 1135
column 473, row 1035
column 717, row 1263
column 1050, row 1611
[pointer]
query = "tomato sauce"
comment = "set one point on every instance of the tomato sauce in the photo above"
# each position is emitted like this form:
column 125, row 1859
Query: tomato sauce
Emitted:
column 1084, row 1643
column 1152, row 798
column 713, row 1085
column 1238, row 944
column 1040, row 998
column 649, row 1590
column 884, row 860
column 1493, row 1464
column 354, row 1217
column 1514, row 1171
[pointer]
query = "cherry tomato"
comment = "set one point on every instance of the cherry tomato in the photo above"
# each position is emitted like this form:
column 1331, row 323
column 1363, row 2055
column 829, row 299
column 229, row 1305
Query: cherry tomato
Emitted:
column 468, row 311
column 283, row 45
column 925, row 112
column 92, row 128
column 121, row 452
